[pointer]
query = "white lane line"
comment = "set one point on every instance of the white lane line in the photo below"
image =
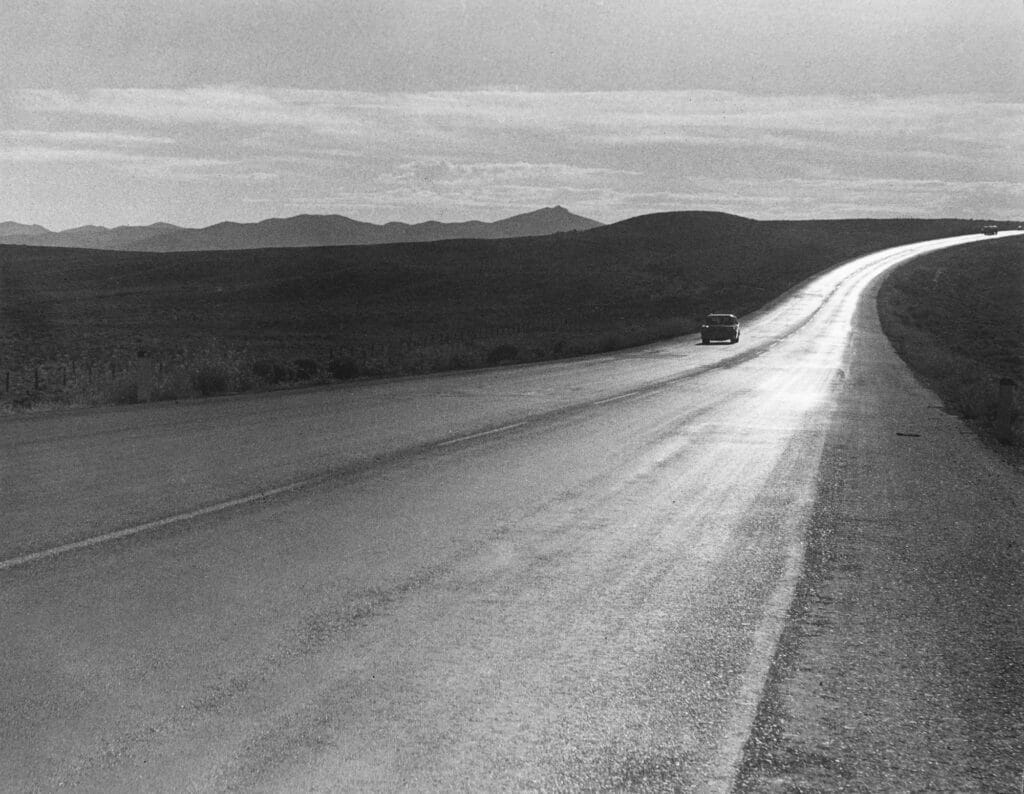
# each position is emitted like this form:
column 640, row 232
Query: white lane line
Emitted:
column 127, row 532
column 618, row 397
column 796, row 526
column 14, row 562
column 482, row 433
column 729, row 754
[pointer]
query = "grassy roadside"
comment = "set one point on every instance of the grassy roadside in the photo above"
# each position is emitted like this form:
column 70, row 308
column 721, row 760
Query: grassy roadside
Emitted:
column 72, row 322
column 956, row 317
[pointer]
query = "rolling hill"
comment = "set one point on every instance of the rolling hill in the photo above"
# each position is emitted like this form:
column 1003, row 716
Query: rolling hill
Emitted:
column 10, row 229
column 214, row 321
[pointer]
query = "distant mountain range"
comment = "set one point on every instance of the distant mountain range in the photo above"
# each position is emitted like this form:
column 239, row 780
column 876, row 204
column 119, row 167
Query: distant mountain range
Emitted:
column 302, row 231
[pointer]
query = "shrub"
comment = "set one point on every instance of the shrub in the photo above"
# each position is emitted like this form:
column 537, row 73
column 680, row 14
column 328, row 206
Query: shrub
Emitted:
column 305, row 368
column 124, row 392
column 172, row 386
column 209, row 381
column 667, row 329
column 975, row 398
column 23, row 401
column 502, row 353
column 272, row 371
column 342, row 368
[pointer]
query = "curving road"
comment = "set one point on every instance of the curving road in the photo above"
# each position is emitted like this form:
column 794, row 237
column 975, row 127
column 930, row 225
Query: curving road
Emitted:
column 562, row 576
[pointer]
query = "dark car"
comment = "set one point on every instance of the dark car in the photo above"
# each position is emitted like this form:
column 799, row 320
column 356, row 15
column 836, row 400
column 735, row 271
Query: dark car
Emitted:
column 719, row 328
column 990, row 229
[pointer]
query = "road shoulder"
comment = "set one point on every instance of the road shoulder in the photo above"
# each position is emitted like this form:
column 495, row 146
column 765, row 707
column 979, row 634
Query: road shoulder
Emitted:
column 901, row 665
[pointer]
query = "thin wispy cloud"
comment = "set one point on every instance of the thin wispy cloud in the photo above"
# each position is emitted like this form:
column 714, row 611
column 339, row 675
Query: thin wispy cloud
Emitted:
column 454, row 174
column 61, row 137
column 43, row 154
column 642, row 114
column 608, row 153
column 314, row 111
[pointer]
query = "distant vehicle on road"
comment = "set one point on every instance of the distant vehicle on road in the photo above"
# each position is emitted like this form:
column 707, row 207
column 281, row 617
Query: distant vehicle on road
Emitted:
column 990, row 228
column 720, row 327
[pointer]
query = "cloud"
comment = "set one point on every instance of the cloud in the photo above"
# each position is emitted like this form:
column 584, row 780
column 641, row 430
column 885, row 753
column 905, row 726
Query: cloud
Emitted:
column 82, row 137
column 41, row 154
column 596, row 118
column 562, row 110
column 443, row 172
column 413, row 156
column 169, row 167
column 316, row 111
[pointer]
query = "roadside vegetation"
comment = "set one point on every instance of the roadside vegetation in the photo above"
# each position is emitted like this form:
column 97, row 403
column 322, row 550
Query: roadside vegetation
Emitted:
column 81, row 327
column 957, row 318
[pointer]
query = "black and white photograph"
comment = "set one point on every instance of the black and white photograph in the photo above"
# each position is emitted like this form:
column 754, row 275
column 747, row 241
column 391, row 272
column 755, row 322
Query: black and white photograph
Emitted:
column 511, row 396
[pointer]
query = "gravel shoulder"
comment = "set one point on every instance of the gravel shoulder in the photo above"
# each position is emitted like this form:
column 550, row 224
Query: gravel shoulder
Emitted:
column 902, row 666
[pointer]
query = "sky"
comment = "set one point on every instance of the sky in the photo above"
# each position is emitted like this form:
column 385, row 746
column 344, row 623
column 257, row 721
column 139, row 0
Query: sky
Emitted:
column 133, row 112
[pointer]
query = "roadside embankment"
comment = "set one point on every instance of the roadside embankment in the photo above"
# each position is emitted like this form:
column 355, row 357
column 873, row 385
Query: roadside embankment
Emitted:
column 956, row 317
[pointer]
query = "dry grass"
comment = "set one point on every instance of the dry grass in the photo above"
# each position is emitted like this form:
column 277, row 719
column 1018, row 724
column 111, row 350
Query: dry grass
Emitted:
column 957, row 318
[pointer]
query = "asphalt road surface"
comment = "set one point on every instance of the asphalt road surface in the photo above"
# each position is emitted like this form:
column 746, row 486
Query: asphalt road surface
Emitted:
column 568, row 576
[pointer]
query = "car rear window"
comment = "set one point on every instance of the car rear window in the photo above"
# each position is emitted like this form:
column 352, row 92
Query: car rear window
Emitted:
column 720, row 319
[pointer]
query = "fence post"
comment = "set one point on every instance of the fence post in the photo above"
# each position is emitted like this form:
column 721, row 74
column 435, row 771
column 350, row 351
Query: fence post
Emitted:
column 1004, row 411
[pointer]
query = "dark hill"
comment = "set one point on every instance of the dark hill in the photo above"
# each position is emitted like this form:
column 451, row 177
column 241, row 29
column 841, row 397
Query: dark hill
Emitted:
column 669, row 230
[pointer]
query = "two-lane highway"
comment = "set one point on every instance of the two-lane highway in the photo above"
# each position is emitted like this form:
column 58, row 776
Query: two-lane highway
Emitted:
column 560, row 576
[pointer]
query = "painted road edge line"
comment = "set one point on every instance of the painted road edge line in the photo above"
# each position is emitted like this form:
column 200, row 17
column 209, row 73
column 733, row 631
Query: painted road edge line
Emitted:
column 127, row 532
column 482, row 433
column 618, row 397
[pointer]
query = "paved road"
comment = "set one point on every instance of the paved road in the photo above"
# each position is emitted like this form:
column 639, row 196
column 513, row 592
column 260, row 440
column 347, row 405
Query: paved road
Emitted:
column 561, row 576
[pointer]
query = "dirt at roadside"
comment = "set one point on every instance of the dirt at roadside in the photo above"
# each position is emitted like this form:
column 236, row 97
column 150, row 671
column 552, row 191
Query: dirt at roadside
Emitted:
column 902, row 667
